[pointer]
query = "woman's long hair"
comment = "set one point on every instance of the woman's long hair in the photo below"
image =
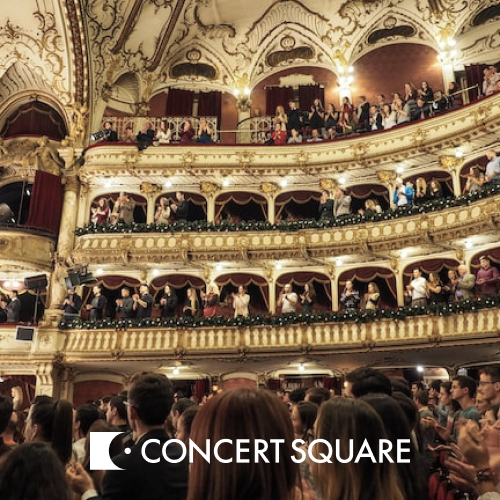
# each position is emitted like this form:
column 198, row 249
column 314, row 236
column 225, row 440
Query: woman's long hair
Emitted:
column 243, row 414
column 32, row 471
column 345, row 419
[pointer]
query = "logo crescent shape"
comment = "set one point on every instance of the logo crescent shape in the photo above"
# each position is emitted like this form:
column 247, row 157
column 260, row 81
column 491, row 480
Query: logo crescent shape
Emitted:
column 99, row 450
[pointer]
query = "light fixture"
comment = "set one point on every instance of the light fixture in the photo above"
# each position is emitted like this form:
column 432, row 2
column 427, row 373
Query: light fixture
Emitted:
column 404, row 253
column 168, row 183
column 342, row 180
column 301, row 367
column 447, row 55
column 420, row 369
column 7, row 284
column 338, row 261
column 400, row 169
column 219, row 267
column 283, row 183
column 459, row 153
column 156, row 272
column 107, row 184
column 242, row 92
column 15, row 283
column 468, row 244
column 99, row 270
column 175, row 371
column 226, row 181
column 278, row 265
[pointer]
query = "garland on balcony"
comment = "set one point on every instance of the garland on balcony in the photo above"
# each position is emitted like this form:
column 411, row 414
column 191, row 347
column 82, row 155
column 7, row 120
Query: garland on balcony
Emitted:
column 365, row 316
column 288, row 226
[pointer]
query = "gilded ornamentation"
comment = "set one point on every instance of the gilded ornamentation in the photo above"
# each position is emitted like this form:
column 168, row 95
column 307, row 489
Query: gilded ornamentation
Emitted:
column 188, row 159
column 328, row 184
column 79, row 124
column 302, row 158
column 269, row 188
column 148, row 188
column 450, row 163
column 386, row 176
column 419, row 137
column 209, row 188
column 245, row 158
column 45, row 157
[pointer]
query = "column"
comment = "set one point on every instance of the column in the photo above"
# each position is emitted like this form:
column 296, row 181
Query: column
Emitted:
column 271, row 209
column 400, row 287
column 150, row 213
column 335, row 293
column 210, row 208
column 272, row 295
column 44, row 381
column 244, row 133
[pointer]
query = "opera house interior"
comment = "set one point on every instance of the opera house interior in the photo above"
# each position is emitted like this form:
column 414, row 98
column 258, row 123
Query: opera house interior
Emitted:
column 204, row 149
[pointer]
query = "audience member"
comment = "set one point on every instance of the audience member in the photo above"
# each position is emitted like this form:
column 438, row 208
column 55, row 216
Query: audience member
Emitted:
column 244, row 414
column 487, row 278
column 13, row 307
column 308, row 297
column 97, row 306
column 163, row 134
column 241, row 301
column 466, row 283
column 85, row 416
column 417, row 289
column 143, row 302
column 295, row 137
column 168, row 302
column 180, row 207
column 71, row 305
column 210, row 300
column 163, row 212
column 191, row 306
column 492, row 174
column 33, row 472
column 186, row 133
column 150, row 400
column 100, row 213
column 350, row 299
column 341, row 203
column 125, row 305
column 278, row 136
column 294, row 117
column 205, row 132
column 366, row 380
column 287, row 300
column 146, row 136
column 371, row 299
column 325, row 208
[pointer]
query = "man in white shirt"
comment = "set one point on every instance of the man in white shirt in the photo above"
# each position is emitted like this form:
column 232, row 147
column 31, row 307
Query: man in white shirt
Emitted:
column 492, row 173
column 418, row 289
column 288, row 299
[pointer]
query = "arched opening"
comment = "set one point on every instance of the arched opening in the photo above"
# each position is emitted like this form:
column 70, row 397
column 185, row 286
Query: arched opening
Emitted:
column 383, row 278
column 180, row 284
column 15, row 202
column 297, row 205
column 363, row 192
column 257, row 287
column 35, row 118
column 318, row 281
column 240, row 206
column 442, row 178
column 111, row 290
column 197, row 204
column 140, row 207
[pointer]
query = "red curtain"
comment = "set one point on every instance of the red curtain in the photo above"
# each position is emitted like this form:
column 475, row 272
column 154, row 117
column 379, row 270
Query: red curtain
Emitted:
column 237, row 279
column 307, row 94
column 209, row 104
column 46, row 202
column 177, row 281
column 277, row 96
column 444, row 178
column 299, row 197
column 367, row 274
column 180, row 102
column 35, row 118
column 492, row 253
column 430, row 266
column 192, row 198
column 115, row 282
column 239, row 198
column 201, row 388
column 299, row 279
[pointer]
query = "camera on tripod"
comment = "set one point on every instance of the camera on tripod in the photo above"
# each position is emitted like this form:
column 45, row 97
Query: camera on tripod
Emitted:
column 102, row 134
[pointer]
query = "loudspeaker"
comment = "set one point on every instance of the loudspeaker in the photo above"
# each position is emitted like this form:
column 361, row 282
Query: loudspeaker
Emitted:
column 36, row 282
column 73, row 279
column 25, row 333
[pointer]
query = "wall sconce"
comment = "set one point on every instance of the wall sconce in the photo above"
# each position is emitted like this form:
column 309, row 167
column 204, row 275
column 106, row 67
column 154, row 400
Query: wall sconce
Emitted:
column 242, row 93
column 448, row 54
column 346, row 77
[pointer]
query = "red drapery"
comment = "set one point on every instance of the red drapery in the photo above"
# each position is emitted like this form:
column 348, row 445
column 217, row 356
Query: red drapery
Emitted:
column 177, row 281
column 244, row 279
column 367, row 274
column 35, row 118
column 307, row 94
column 444, row 178
column 430, row 266
column 277, row 96
column 192, row 198
column 209, row 104
column 239, row 198
column 299, row 197
column 492, row 253
column 301, row 278
column 115, row 282
column 201, row 388
column 46, row 202
column 180, row 102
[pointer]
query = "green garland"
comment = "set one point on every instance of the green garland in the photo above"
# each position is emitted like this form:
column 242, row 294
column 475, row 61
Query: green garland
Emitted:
column 285, row 226
column 358, row 316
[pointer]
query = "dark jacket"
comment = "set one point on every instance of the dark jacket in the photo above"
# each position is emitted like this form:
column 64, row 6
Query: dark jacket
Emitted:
column 141, row 480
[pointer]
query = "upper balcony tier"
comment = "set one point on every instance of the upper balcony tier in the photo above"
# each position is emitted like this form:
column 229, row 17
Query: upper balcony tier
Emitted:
column 369, row 157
